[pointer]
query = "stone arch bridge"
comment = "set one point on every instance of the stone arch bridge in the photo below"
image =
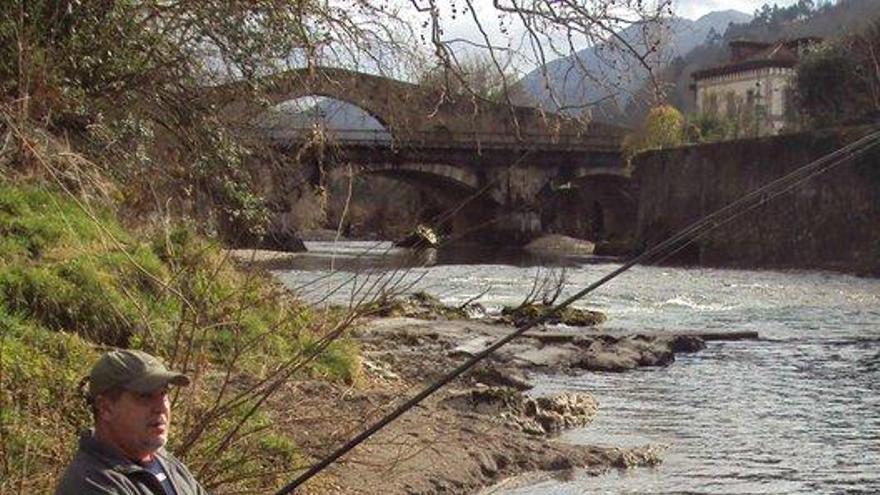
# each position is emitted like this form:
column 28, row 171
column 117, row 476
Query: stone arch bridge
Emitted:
column 519, row 161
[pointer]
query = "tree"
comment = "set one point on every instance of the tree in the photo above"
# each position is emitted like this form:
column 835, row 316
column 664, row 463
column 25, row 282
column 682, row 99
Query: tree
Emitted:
column 473, row 76
column 663, row 127
column 775, row 15
column 124, row 79
column 840, row 80
column 713, row 38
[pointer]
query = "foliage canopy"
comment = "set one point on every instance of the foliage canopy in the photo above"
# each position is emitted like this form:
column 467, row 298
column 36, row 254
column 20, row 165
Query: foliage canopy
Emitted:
column 663, row 127
column 840, row 80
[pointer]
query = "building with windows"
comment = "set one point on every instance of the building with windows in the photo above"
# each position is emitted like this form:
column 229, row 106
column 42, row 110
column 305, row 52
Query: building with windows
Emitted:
column 755, row 88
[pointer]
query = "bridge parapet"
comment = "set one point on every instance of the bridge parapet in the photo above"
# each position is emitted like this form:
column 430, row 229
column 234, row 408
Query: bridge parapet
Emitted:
column 412, row 113
column 288, row 138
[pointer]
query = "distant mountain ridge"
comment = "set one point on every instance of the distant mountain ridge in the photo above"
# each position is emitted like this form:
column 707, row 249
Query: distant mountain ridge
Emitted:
column 608, row 74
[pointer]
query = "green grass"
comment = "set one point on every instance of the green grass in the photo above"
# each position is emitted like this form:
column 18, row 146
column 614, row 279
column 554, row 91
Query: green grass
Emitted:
column 72, row 282
column 37, row 223
column 40, row 372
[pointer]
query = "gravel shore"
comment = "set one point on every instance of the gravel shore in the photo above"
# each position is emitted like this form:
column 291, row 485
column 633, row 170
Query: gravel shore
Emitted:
column 482, row 429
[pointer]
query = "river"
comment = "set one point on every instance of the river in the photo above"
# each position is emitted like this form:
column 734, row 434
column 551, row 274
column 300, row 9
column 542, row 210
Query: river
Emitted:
column 795, row 412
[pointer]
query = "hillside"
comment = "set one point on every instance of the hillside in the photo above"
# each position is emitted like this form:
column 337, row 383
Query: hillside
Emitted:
column 605, row 72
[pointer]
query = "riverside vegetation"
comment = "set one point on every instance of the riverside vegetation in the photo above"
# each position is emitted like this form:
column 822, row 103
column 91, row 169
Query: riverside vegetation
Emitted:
column 73, row 281
column 117, row 184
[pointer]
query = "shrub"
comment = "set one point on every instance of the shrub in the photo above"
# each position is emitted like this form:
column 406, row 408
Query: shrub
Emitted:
column 663, row 127
column 708, row 127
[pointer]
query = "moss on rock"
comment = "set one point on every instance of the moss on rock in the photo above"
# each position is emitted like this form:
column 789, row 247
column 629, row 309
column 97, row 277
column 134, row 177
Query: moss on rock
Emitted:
column 568, row 316
column 417, row 305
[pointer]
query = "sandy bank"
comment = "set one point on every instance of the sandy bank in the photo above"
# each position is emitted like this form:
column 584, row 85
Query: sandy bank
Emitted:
column 478, row 431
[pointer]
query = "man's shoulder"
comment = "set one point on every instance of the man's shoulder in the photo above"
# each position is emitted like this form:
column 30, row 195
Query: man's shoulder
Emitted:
column 87, row 475
column 92, row 472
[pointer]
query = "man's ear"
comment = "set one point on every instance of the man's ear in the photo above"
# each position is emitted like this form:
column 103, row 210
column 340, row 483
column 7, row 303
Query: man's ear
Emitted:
column 103, row 406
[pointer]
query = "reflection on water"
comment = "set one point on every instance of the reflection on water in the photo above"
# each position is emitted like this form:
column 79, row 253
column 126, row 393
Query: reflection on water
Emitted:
column 353, row 256
column 796, row 412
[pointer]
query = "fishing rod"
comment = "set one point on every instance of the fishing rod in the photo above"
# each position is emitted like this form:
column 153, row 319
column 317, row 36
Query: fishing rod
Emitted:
column 673, row 244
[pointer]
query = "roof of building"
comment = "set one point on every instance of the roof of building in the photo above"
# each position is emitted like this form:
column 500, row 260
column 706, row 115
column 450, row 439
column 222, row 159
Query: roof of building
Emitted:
column 750, row 55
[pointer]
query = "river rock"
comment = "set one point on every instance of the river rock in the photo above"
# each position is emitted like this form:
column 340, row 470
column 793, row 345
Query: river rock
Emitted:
column 687, row 343
column 418, row 305
column 566, row 410
column 538, row 416
column 559, row 245
column 492, row 376
column 493, row 401
column 626, row 353
column 287, row 241
column 567, row 316
column 613, row 248
column 471, row 347
column 613, row 361
column 421, row 237
column 648, row 455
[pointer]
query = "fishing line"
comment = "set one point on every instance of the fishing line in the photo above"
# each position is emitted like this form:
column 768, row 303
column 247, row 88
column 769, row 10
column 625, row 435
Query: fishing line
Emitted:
column 686, row 236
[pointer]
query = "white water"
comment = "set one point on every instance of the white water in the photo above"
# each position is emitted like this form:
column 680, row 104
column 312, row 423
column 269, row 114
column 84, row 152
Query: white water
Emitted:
column 796, row 412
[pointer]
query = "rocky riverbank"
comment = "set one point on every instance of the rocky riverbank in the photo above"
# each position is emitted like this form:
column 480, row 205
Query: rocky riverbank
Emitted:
column 483, row 428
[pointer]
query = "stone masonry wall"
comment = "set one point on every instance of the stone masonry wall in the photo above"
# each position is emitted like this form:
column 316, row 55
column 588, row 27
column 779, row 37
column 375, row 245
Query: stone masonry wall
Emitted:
column 830, row 222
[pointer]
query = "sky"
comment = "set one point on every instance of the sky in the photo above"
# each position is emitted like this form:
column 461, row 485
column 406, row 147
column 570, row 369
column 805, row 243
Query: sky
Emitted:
column 506, row 32
column 689, row 9
column 694, row 9
column 462, row 27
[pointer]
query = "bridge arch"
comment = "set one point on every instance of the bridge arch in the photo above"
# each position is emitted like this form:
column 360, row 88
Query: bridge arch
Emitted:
column 340, row 120
column 455, row 182
column 593, row 206
column 369, row 109
column 451, row 187
column 411, row 111
column 397, row 105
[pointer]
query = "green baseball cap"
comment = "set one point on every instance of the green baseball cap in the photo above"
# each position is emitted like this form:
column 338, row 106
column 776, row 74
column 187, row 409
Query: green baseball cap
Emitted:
column 135, row 371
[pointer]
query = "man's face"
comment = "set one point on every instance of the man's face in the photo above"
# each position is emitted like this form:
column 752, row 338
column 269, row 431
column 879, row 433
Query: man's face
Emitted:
column 137, row 424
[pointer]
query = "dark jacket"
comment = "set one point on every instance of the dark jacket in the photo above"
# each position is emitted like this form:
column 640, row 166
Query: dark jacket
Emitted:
column 97, row 469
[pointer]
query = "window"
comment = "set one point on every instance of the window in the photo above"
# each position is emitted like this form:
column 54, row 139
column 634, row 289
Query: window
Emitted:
column 788, row 107
column 731, row 103
column 710, row 103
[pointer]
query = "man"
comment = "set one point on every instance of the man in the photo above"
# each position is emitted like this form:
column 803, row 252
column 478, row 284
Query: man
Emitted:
column 128, row 394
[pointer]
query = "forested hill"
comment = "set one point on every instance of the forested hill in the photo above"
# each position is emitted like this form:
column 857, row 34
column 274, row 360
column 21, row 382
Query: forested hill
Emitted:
column 609, row 73
column 807, row 18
